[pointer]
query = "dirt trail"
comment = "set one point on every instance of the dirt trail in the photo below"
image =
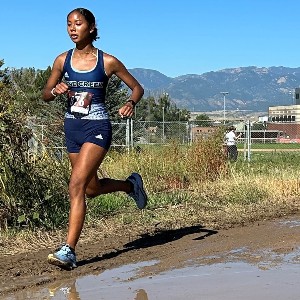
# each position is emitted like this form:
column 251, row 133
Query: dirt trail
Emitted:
column 173, row 248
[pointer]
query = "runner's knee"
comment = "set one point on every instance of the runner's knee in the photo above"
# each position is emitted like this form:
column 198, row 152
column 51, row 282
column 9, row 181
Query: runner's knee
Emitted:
column 76, row 186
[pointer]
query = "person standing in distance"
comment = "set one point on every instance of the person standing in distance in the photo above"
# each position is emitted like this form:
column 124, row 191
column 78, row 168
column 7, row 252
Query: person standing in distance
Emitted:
column 82, row 74
column 230, row 142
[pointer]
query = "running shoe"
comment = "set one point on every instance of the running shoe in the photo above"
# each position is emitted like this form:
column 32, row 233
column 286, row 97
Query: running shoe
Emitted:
column 138, row 194
column 63, row 257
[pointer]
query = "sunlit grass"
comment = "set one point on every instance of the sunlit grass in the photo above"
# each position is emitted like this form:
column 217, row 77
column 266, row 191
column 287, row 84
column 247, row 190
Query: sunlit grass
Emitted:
column 187, row 185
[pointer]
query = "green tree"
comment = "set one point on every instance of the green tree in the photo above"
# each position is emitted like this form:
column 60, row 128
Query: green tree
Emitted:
column 145, row 109
column 258, row 126
column 160, row 113
column 203, row 120
column 4, row 75
column 116, row 95
column 28, row 85
column 151, row 109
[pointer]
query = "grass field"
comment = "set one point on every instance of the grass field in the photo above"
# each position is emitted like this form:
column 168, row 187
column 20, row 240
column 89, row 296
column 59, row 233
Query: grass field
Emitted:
column 271, row 146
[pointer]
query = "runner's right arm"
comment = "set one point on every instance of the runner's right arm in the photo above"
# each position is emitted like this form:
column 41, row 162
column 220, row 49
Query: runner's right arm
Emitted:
column 54, row 86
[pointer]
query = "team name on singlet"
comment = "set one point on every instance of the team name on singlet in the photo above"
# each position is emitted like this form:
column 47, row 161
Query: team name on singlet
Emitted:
column 86, row 84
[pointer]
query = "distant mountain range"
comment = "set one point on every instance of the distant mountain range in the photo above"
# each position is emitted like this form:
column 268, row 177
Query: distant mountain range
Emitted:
column 250, row 88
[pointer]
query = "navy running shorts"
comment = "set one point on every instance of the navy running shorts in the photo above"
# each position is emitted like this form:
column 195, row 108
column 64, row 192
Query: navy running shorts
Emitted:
column 80, row 131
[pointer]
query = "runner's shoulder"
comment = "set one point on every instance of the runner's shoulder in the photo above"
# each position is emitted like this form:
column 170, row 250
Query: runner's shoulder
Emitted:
column 62, row 56
column 60, row 59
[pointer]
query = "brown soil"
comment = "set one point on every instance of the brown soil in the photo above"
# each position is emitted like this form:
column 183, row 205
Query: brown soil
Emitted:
column 173, row 248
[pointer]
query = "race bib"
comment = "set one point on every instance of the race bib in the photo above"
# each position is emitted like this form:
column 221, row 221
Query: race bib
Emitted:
column 80, row 102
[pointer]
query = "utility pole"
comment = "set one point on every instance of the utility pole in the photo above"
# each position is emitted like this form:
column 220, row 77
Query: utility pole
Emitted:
column 163, row 123
column 224, row 105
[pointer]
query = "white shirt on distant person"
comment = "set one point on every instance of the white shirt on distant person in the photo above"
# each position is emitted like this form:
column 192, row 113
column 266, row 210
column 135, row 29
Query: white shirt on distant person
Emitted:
column 230, row 138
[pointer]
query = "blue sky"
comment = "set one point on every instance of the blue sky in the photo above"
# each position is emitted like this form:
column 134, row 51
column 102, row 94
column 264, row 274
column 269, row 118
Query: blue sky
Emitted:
column 171, row 36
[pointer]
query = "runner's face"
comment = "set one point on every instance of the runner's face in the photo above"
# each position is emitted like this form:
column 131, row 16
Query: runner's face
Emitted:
column 78, row 27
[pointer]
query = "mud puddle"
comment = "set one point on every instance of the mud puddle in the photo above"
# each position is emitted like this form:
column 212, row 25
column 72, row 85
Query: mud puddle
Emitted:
column 276, row 278
column 260, row 261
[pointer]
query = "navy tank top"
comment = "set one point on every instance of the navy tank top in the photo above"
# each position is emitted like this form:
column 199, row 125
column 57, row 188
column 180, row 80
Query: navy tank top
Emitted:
column 87, row 90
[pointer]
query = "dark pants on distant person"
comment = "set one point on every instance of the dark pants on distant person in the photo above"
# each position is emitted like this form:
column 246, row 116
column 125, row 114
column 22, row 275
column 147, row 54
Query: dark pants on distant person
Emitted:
column 232, row 152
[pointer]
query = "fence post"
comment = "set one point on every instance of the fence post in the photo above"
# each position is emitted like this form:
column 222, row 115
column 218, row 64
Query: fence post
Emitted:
column 249, row 139
column 131, row 133
column 245, row 141
column 190, row 126
column 187, row 132
column 128, row 135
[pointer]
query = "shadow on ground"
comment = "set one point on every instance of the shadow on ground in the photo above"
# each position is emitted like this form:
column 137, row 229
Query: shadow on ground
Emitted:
column 147, row 240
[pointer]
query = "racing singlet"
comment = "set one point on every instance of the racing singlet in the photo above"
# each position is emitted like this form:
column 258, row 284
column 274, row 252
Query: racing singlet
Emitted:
column 87, row 90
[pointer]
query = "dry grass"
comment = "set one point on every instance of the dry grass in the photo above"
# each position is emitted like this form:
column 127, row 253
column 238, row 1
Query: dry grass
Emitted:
column 207, row 209
column 192, row 186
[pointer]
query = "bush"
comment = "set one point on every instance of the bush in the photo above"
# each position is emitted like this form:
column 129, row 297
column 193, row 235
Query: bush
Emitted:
column 30, row 193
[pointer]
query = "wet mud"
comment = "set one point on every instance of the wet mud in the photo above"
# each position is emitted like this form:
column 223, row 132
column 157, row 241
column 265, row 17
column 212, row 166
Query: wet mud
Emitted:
column 258, row 261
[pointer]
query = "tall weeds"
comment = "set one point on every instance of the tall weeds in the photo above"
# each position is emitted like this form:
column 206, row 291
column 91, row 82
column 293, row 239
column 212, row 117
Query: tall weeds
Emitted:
column 32, row 193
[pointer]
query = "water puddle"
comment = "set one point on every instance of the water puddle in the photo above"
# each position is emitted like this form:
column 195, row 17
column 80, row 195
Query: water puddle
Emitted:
column 226, row 281
column 291, row 224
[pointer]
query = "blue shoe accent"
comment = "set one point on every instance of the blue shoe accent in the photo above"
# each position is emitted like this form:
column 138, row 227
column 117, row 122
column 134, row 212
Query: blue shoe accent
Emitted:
column 138, row 194
column 63, row 257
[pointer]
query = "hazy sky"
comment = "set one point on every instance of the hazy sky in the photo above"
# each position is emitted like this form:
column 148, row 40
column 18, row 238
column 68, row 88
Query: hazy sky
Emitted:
column 171, row 36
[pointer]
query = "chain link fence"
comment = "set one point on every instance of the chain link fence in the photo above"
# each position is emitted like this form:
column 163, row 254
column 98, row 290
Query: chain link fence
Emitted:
column 127, row 134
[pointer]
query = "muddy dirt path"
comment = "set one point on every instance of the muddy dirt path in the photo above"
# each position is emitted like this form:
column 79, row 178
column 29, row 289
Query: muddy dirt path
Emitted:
column 172, row 248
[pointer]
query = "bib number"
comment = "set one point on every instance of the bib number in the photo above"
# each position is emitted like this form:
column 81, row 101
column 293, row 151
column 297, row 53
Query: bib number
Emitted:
column 80, row 102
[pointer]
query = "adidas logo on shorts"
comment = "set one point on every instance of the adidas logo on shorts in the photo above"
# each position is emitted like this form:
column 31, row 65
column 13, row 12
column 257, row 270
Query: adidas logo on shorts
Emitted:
column 99, row 136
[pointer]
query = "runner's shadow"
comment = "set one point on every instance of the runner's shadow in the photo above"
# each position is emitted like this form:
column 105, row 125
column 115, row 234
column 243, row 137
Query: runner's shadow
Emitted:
column 149, row 240
column 166, row 236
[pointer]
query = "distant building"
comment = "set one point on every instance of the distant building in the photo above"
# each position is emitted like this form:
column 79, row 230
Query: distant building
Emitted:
column 202, row 132
column 297, row 96
column 284, row 114
column 286, row 118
